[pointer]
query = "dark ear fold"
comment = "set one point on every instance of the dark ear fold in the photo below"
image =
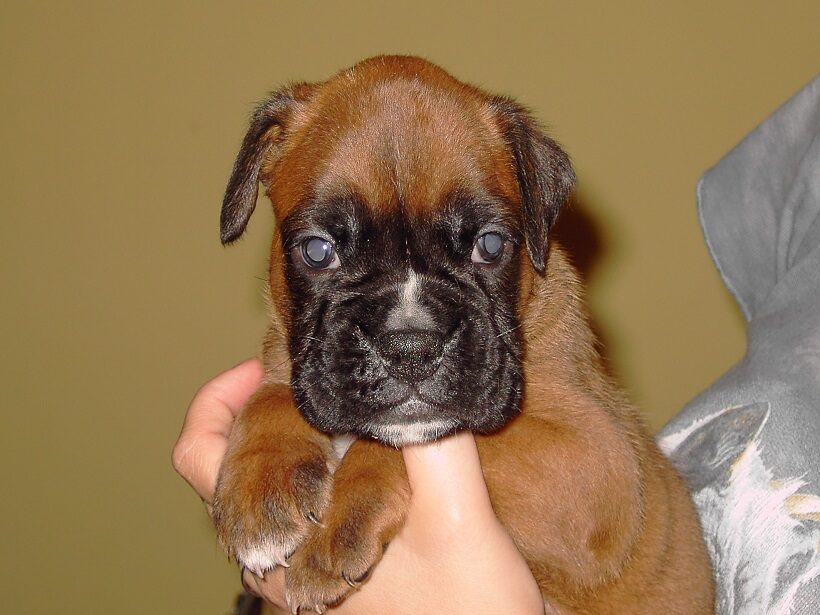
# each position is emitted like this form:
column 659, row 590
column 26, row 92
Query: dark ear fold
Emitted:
column 545, row 175
column 266, row 126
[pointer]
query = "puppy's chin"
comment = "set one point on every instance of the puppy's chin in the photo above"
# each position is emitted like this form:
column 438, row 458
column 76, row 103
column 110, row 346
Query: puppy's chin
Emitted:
column 411, row 422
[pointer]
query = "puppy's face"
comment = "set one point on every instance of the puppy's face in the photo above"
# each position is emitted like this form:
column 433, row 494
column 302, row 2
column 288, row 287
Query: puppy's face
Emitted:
column 406, row 205
column 404, row 326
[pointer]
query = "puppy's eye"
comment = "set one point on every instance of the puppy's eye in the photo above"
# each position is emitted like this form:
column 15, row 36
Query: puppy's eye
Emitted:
column 318, row 253
column 488, row 248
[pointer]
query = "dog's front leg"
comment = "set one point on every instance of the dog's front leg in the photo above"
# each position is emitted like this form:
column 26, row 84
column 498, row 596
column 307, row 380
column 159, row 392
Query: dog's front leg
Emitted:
column 274, row 482
column 367, row 508
column 570, row 497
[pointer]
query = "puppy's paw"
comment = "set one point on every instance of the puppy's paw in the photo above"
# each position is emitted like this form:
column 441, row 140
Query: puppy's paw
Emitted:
column 370, row 501
column 332, row 562
column 267, row 499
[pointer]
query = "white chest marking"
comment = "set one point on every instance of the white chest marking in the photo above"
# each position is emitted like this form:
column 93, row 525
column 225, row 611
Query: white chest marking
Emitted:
column 341, row 443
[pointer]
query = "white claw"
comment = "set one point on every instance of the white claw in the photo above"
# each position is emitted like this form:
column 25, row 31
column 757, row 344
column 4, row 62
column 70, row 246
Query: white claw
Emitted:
column 265, row 556
column 314, row 519
column 293, row 608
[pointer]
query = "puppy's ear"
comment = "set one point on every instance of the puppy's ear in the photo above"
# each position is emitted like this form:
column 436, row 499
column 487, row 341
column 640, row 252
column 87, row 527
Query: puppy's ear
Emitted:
column 265, row 134
column 545, row 174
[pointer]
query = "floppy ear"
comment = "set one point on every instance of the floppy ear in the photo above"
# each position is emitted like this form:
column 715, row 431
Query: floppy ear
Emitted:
column 264, row 135
column 544, row 171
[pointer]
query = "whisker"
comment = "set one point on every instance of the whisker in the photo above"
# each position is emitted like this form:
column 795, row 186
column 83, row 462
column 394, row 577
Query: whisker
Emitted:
column 509, row 330
column 300, row 406
column 307, row 388
column 280, row 364
column 458, row 286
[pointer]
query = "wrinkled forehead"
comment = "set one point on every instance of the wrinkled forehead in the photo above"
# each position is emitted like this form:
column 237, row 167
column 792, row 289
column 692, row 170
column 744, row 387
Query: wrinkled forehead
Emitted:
column 402, row 144
column 346, row 218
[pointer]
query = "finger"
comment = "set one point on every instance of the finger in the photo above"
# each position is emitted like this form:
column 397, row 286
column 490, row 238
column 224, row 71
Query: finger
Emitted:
column 250, row 582
column 219, row 400
column 201, row 444
column 270, row 587
column 446, row 479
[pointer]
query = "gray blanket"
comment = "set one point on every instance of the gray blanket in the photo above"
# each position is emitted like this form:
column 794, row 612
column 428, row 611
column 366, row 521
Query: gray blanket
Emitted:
column 750, row 444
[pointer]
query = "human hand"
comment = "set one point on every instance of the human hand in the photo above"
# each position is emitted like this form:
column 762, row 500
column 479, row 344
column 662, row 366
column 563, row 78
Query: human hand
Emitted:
column 203, row 440
column 452, row 555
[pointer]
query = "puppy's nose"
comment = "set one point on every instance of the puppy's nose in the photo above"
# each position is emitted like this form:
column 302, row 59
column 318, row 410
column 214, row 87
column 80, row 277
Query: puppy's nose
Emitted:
column 411, row 355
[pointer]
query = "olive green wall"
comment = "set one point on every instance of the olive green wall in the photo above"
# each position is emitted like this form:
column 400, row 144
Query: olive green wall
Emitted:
column 119, row 127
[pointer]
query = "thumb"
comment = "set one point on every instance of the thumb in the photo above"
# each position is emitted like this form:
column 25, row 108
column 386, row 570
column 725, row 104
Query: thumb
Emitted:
column 446, row 480
column 201, row 445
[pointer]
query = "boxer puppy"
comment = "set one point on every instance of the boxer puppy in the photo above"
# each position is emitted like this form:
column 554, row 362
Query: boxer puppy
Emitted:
column 414, row 293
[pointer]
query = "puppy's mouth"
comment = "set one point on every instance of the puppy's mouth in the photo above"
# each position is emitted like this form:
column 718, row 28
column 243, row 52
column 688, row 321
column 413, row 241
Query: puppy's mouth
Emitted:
column 414, row 402
column 413, row 420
